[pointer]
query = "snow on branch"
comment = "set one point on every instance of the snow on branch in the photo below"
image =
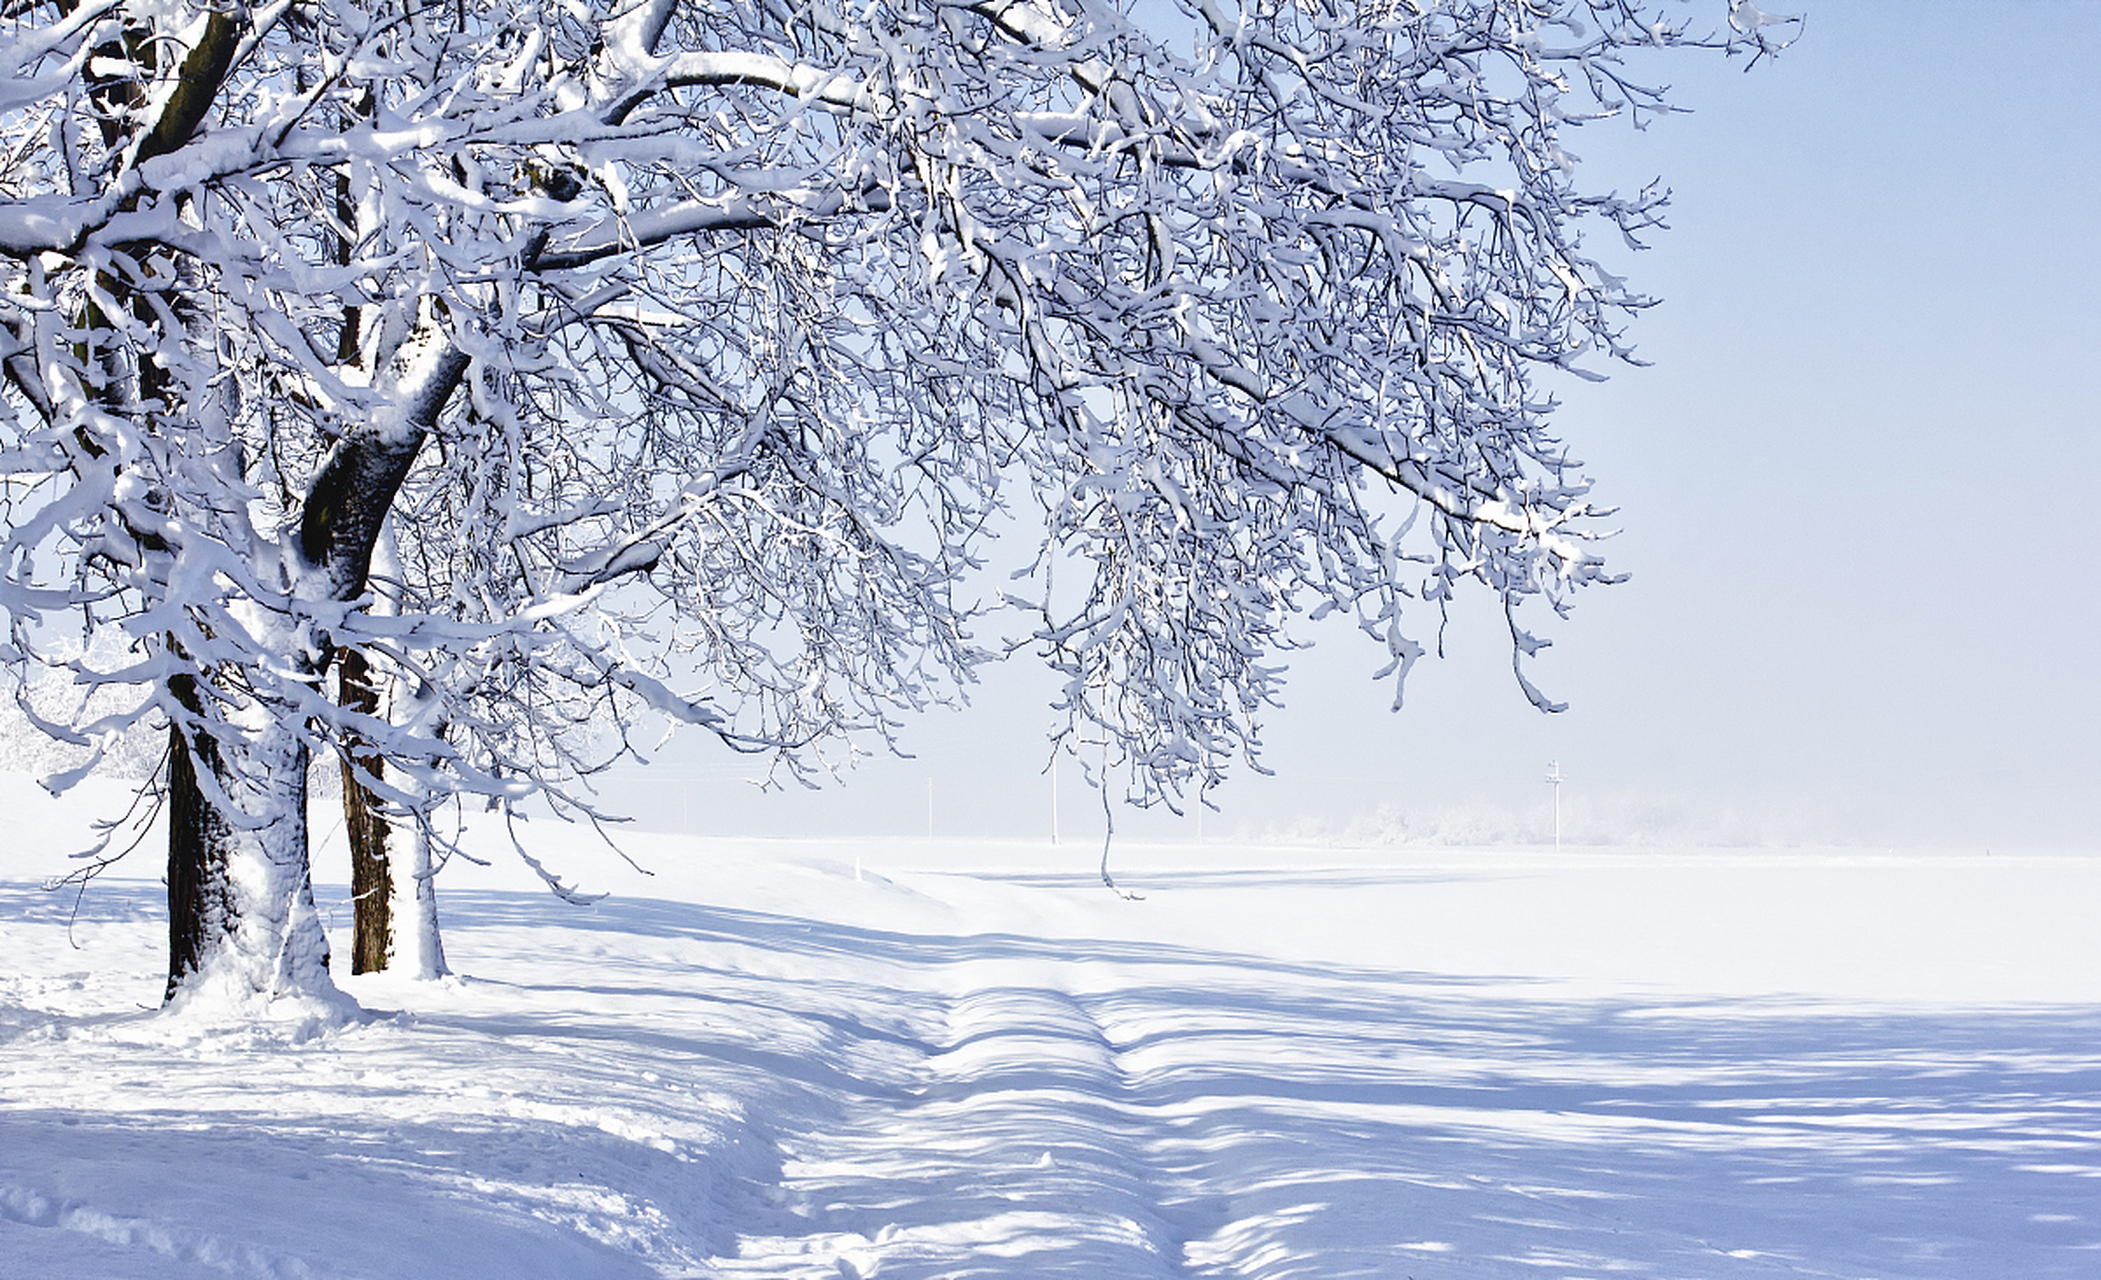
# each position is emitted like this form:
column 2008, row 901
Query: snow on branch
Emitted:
column 677, row 360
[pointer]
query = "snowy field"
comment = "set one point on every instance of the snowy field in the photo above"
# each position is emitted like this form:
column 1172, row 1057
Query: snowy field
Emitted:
column 972, row 1060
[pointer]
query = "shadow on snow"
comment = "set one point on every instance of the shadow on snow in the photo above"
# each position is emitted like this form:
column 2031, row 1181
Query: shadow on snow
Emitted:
column 849, row 1100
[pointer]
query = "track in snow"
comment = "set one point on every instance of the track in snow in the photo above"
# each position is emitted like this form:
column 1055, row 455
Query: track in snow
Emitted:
column 962, row 1076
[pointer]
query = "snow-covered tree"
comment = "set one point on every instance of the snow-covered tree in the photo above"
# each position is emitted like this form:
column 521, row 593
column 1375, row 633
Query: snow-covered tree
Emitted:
column 582, row 362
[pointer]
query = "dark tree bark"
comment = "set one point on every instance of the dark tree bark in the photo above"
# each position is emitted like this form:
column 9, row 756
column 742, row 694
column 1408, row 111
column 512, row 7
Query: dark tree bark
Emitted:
column 200, row 907
column 244, row 814
column 371, row 877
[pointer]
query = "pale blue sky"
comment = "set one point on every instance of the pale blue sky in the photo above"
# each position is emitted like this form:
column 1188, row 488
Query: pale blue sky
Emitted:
column 1859, row 489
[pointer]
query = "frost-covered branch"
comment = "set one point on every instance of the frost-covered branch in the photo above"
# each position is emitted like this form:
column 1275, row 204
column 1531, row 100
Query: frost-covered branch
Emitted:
column 690, row 354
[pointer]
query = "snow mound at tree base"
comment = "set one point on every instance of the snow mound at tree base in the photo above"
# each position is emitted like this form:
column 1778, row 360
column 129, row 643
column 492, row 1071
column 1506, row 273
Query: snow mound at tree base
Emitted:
column 222, row 1005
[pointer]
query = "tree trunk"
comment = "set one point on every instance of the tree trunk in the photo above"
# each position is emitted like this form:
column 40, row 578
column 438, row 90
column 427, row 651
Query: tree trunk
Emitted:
column 240, row 894
column 199, row 911
column 242, row 928
column 419, row 951
column 372, row 888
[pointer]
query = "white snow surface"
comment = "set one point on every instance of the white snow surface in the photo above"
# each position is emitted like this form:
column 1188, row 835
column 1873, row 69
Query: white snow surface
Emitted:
column 972, row 1060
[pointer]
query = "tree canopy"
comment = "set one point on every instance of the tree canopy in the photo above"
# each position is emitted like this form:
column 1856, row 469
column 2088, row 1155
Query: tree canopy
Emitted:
column 583, row 362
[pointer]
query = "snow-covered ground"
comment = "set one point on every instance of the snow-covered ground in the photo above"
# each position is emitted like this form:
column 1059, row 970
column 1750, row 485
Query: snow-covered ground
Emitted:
column 972, row 1060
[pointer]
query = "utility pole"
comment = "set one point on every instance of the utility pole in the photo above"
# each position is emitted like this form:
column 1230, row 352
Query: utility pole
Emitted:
column 1554, row 776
